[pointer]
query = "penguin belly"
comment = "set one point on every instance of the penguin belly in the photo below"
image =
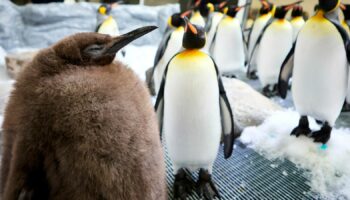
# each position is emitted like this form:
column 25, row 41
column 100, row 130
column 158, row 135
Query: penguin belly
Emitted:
column 192, row 122
column 197, row 19
column 275, row 45
column 109, row 27
column 229, row 48
column 258, row 26
column 217, row 16
column 297, row 24
column 173, row 47
column 320, row 71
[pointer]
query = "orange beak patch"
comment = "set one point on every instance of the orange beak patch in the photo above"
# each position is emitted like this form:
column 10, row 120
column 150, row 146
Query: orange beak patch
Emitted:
column 186, row 13
column 223, row 4
column 342, row 6
column 192, row 28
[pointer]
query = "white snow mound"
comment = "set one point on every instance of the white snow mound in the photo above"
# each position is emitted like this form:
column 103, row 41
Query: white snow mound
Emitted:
column 327, row 167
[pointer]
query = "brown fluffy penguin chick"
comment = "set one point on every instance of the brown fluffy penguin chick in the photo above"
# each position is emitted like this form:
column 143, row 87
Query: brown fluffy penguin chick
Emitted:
column 78, row 126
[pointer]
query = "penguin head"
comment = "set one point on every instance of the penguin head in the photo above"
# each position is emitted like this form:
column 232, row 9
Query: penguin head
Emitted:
column 346, row 11
column 104, row 9
column 221, row 6
column 328, row 5
column 281, row 11
column 176, row 20
column 84, row 49
column 297, row 11
column 232, row 10
column 266, row 7
column 211, row 7
column 194, row 36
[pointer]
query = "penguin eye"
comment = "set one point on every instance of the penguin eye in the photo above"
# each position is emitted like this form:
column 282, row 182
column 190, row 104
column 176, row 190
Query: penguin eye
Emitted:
column 94, row 50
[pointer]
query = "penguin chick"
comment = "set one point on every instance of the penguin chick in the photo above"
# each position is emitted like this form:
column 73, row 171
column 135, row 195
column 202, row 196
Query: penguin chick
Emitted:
column 78, row 126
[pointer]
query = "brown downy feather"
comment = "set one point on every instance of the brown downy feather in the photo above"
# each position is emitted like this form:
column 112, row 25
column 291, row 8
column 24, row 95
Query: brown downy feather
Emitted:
column 81, row 128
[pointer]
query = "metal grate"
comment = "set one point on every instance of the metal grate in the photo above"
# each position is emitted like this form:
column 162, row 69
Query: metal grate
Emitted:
column 248, row 175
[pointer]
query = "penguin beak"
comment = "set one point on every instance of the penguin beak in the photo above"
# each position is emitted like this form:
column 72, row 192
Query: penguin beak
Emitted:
column 190, row 26
column 121, row 41
column 222, row 4
column 197, row 3
column 186, row 13
column 265, row 4
column 290, row 6
column 342, row 6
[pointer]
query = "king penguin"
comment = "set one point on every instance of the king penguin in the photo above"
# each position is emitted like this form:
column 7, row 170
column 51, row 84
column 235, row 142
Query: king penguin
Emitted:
column 229, row 48
column 266, row 12
column 274, row 43
column 194, row 112
column 297, row 20
column 109, row 24
column 211, row 26
column 170, row 45
column 319, row 64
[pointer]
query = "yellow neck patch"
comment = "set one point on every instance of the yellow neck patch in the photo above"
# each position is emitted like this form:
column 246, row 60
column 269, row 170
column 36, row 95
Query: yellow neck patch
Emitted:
column 191, row 54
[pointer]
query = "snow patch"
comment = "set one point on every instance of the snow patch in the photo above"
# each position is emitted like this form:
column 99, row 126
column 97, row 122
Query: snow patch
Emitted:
column 140, row 58
column 327, row 167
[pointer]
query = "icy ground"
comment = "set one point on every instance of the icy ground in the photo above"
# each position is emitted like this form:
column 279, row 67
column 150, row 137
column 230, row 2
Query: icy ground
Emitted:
column 327, row 167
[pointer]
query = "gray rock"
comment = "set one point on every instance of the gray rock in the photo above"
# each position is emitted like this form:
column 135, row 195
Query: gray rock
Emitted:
column 40, row 25
column 249, row 106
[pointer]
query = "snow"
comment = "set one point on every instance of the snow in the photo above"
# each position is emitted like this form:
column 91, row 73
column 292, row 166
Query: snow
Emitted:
column 140, row 58
column 327, row 167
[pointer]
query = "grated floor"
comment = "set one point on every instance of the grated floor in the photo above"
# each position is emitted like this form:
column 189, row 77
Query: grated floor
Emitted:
column 248, row 175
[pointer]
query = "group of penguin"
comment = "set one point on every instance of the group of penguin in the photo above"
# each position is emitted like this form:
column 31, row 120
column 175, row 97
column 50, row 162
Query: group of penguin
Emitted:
column 207, row 41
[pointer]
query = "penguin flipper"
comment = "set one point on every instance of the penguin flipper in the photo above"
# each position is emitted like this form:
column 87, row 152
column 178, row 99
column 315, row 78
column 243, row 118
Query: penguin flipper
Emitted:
column 159, row 106
column 98, row 28
column 256, row 45
column 286, row 73
column 245, row 48
column 162, row 47
column 343, row 34
column 209, row 23
column 227, row 120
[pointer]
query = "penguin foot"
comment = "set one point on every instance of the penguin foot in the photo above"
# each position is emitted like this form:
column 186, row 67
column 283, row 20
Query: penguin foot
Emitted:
column 252, row 75
column 266, row 91
column 206, row 187
column 230, row 76
column 183, row 184
column 303, row 127
column 322, row 135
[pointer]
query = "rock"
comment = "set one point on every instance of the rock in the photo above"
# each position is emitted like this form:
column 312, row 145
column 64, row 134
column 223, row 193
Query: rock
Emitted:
column 15, row 62
column 249, row 106
column 40, row 25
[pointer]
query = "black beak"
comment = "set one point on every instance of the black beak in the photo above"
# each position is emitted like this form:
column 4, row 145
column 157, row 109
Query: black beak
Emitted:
column 121, row 41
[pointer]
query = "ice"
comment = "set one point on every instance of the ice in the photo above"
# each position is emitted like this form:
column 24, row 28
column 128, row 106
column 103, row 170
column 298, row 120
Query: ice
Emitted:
column 285, row 173
column 328, row 168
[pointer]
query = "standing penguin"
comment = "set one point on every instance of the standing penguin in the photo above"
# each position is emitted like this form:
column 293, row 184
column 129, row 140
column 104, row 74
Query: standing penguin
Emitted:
column 79, row 126
column 229, row 50
column 211, row 26
column 297, row 20
column 108, row 25
column 319, row 63
column 274, row 43
column 193, row 112
column 170, row 45
column 266, row 12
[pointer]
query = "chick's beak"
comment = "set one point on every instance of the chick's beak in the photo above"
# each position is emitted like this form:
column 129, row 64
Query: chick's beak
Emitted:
column 121, row 41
